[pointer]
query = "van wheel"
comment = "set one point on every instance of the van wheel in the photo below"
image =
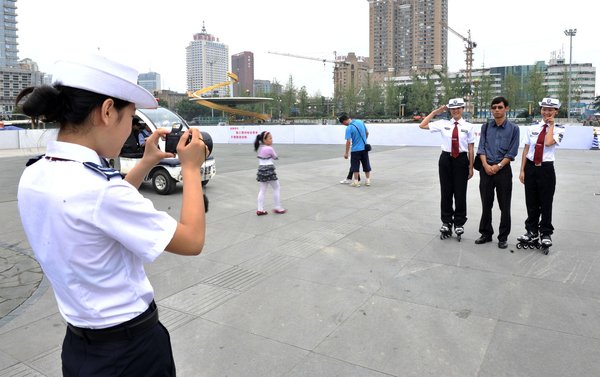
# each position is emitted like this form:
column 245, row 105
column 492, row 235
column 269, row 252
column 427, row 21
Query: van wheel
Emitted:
column 163, row 183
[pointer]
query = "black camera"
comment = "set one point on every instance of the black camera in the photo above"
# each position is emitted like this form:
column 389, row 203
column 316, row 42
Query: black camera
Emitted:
column 172, row 139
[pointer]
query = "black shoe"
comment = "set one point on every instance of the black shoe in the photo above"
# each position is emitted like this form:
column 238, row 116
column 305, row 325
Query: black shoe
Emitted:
column 483, row 239
column 502, row 244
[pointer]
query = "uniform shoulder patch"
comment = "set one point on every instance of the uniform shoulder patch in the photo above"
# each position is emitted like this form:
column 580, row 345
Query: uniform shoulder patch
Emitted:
column 33, row 160
column 107, row 173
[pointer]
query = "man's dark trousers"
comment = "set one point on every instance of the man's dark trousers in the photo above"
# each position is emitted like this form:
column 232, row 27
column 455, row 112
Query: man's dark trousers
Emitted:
column 500, row 182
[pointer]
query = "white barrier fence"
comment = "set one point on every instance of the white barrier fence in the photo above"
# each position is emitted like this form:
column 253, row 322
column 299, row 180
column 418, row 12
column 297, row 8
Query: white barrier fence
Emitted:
column 576, row 137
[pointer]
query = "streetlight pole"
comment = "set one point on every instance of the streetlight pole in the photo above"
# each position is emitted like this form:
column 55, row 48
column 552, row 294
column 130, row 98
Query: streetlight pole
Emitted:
column 570, row 33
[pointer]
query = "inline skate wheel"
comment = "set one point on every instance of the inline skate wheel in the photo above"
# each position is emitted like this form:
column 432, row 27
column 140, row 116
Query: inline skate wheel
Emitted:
column 519, row 246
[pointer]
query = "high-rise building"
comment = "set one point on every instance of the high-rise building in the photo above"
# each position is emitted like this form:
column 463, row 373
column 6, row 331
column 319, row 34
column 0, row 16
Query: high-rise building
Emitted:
column 242, row 64
column 583, row 84
column 262, row 87
column 351, row 72
column 8, row 34
column 150, row 81
column 407, row 36
column 207, row 63
column 15, row 75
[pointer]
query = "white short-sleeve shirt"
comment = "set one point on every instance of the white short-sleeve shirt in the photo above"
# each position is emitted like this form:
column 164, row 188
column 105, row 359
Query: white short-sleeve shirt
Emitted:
column 531, row 137
column 91, row 236
column 445, row 127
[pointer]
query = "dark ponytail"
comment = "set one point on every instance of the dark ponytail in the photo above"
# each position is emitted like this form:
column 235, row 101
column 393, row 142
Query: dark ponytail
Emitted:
column 259, row 139
column 62, row 104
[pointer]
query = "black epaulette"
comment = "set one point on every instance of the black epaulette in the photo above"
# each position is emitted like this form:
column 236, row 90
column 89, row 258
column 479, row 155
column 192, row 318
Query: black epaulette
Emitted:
column 33, row 160
column 559, row 126
column 108, row 173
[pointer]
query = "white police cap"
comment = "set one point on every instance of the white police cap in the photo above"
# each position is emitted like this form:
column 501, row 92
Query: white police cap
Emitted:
column 550, row 102
column 100, row 75
column 455, row 103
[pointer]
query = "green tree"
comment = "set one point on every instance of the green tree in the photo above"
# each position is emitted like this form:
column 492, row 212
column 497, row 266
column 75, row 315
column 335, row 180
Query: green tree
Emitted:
column 511, row 88
column 535, row 89
column 163, row 103
column 303, row 101
column 189, row 110
column 349, row 100
column 390, row 99
column 421, row 96
column 373, row 106
column 288, row 98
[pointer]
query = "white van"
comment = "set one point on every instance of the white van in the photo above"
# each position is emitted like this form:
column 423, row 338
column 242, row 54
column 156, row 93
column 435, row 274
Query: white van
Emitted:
column 165, row 175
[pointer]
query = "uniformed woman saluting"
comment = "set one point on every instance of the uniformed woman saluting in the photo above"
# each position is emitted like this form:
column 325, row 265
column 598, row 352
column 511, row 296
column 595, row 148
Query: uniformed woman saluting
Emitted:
column 455, row 164
column 92, row 231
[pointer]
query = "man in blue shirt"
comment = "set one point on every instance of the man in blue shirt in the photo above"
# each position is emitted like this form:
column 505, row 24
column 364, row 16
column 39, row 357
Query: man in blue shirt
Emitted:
column 498, row 146
column 356, row 136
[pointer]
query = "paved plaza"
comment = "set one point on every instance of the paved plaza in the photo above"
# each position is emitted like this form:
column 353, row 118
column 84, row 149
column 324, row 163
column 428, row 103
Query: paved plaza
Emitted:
column 349, row 282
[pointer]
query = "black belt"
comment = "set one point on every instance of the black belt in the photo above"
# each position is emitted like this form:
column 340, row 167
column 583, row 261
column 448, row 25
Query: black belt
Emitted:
column 124, row 331
column 450, row 153
column 545, row 163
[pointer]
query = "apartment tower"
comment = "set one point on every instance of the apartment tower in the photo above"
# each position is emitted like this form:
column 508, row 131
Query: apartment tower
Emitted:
column 8, row 34
column 242, row 64
column 207, row 63
column 407, row 36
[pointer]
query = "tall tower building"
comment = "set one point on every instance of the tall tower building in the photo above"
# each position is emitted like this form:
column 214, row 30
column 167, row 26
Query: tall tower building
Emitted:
column 15, row 75
column 150, row 81
column 8, row 34
column 207, row 63
column 242, row 64
column 407, row 36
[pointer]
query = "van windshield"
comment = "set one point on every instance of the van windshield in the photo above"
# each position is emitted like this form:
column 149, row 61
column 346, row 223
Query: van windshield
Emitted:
column 163, row 118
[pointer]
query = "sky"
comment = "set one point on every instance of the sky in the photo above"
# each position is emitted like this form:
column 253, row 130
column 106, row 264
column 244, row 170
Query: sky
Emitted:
column 151, row 35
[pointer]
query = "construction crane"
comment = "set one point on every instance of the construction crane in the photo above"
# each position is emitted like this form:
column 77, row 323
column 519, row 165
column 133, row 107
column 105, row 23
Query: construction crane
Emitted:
column 336, row 62
column 469, row 46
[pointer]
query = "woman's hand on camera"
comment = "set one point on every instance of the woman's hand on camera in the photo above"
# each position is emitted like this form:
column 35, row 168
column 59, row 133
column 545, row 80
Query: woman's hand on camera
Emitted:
column 193, row 153
column 152, row 153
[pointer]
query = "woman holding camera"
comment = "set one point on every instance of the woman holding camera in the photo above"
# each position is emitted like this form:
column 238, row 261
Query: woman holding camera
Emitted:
column 92, row 231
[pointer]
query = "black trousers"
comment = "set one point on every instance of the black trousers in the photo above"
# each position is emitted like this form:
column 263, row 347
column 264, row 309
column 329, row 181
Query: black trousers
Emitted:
column 350, row 174
column 145, row 355
column 540, row 184
column 454, row 174
column 501, row 183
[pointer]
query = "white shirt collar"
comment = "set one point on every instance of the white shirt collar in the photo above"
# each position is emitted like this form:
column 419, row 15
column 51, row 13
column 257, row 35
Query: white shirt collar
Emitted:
column 71, row 151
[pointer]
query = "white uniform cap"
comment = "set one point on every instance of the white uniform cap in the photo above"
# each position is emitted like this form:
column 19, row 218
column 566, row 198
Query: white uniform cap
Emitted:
column 100, row 75
column 455, row 103
column 550, row 102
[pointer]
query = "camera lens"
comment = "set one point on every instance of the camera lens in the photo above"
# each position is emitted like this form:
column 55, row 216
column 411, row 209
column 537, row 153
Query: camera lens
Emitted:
column 207, row 141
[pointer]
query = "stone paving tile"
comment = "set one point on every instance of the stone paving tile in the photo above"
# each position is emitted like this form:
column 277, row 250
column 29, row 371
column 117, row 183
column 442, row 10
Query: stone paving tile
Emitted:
column 350, row 282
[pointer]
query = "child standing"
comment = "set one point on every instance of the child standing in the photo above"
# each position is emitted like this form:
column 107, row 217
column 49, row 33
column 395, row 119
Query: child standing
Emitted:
column 266, row 172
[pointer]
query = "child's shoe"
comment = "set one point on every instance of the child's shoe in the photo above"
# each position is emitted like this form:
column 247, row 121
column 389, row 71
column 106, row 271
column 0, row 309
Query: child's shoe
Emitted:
column 280, row 211
column 261, row 213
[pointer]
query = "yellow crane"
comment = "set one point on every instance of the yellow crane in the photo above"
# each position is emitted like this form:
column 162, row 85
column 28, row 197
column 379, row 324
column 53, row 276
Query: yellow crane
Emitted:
column 469, row 46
